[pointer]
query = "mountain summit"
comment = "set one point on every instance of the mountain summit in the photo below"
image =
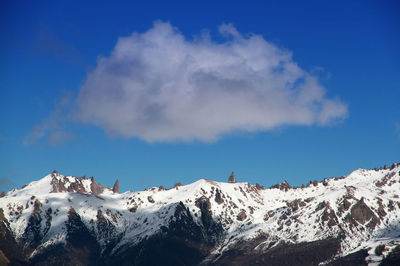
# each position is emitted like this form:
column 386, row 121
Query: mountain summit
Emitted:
column 74, row 220
column 232, row 178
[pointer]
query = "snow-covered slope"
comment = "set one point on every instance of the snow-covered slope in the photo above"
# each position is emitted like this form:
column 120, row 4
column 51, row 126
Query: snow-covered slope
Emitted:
column 361, row 211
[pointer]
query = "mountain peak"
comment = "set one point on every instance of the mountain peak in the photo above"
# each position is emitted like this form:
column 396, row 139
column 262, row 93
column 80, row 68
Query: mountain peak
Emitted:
column 355, row 213
column 58, row 183
column 116, row 187
column 232, row 178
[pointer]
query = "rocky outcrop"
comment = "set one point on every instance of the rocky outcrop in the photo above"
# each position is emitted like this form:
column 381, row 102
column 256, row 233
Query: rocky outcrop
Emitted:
column 360, row 213
column 33, row 232
column 232, row 178
column 10, row 249
column 218, row 197
column 116, row 186
column 96, row 188
column 150, row 199
column 211, row 228
column 241, row 216
column 204, row 205
column 62, row 183
column 179, row 184
column 393, row 258
column 81, row 247
column 282, row 186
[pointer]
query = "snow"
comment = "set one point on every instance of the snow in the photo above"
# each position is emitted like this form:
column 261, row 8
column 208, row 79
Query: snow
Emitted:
column 302, row 224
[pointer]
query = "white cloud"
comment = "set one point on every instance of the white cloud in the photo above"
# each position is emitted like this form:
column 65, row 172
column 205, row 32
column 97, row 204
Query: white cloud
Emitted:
column 160, row 86
column 52, row 128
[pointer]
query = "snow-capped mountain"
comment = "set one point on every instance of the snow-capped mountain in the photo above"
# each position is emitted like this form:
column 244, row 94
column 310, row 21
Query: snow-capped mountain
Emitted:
column 351, row 220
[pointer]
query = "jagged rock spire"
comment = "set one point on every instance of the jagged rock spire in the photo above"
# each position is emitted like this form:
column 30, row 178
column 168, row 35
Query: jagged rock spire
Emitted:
column 116, row 187
column 232, row 178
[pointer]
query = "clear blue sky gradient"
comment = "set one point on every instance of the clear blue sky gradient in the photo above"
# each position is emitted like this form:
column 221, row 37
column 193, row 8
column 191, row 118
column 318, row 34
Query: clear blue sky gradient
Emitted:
column 48, row 47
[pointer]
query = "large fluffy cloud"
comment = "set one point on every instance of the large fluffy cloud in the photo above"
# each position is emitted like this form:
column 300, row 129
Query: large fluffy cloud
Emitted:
column 160, row 86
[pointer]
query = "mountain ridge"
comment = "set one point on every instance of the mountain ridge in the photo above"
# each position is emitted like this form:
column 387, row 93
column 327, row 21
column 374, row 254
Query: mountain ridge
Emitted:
column 206, row 222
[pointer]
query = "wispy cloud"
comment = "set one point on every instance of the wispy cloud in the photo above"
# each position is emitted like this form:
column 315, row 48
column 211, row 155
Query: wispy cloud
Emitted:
column 6, row 184
column 160, row 86
column 52, row 130
column 48, row 43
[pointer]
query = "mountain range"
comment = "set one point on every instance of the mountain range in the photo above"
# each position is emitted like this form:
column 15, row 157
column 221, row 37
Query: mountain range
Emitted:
column 67, row 220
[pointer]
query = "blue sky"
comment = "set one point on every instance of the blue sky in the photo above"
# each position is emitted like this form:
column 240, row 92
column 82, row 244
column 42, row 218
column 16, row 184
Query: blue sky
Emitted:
column 64, row 65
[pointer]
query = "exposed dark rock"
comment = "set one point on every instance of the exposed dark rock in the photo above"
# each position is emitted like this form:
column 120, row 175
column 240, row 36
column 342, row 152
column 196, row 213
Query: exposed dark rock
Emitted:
column 295, row 204
column 211, row 228
column 232, row 178
column 259, row 187
column 2, row 194
column 384, row 181
column 218, row 197
column 76, row 187
column 3, row 259
column 48, row 218
column 116, row 186
column 183, row 242
column 33, row 232
column 133, row 209
column 59, row 184
column 329, row 217
column 106, row 230
column 96, row 188
column 356, row 258
column 204, row 205
column 349, row 192
column 81, row 248
column 241, row 215
column 310, row 253
column 391, row 206
column 393, row 258
column 361, row 213
column 282, row 186
column 150, row 199
column 179, row 184
column 343, row 206
column 322, row 205
column 379, row 250
column 381, row 209
column 9, row 247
